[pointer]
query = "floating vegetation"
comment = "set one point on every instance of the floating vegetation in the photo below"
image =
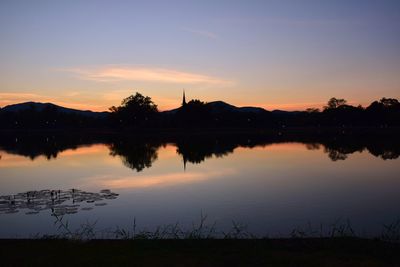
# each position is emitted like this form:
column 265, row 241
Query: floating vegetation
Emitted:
column 31, row 212
column 59, row 202
column 11, row 211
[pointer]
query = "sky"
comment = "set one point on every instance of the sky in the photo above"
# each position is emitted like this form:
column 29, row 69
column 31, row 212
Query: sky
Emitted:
column 279, row 54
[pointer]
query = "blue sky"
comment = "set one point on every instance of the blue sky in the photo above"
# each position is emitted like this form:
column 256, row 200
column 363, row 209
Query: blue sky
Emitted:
column 274, row 54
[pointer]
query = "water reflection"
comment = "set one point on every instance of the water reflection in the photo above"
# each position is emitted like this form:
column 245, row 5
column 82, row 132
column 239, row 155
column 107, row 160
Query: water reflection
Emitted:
column 197, row 152
column 58, row 201
column 135, row 155
column 49, row 146
column 140, row 152
column 385, row 148
column 269, row 181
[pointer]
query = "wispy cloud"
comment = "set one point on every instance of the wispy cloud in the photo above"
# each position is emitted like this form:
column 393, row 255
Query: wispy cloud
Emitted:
column 283, row 21
column 206, row 34
column 20, row 96
column 132, row 73
column 161, row 180
column 312, row 22
column 116, row 95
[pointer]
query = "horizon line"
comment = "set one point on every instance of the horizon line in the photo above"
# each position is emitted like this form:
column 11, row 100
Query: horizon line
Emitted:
column 100, row 108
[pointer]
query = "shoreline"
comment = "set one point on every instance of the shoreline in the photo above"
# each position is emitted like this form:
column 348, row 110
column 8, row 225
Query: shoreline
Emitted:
column 205, row 252
column 311, row 129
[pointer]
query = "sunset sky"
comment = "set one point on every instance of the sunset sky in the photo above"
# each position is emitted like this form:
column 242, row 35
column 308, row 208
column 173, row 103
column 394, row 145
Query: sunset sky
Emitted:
column 274, row 54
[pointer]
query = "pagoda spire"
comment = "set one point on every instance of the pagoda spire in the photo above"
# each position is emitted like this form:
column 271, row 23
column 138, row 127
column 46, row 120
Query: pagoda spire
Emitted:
column 184, row 98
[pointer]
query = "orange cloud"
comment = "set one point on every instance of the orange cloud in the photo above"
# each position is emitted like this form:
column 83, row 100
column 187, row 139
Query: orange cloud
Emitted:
column 157, row 180
column 131, row 73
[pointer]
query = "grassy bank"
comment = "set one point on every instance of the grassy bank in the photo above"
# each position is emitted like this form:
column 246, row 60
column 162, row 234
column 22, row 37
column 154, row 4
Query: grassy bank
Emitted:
column 205, row 252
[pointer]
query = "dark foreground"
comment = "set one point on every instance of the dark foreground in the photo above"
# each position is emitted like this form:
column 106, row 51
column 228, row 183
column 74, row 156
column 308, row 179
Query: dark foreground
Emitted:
column 268, row 252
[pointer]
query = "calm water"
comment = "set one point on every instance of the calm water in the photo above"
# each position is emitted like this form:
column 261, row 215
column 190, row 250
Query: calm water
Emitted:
column 271, row 185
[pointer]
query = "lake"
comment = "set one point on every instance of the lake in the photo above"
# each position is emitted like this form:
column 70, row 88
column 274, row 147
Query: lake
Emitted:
column 272, row 183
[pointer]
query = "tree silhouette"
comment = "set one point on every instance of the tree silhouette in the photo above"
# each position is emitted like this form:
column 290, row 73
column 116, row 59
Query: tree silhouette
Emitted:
column 336, row 154
column 312, row 110
column 194, row 114
column 389, row 102
column 135, row 110
column 334, row 103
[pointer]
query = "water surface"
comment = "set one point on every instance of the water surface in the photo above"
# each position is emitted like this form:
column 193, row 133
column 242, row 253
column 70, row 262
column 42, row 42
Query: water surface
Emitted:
column 271, row 184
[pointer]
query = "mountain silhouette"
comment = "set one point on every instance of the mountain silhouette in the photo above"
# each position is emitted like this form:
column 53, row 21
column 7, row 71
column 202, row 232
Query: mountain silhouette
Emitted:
column 214, row 106
column 223, row 107
column 38, row 106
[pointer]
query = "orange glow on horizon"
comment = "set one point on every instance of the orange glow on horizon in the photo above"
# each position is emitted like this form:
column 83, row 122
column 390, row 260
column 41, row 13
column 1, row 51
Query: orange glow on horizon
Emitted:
column 104, row 102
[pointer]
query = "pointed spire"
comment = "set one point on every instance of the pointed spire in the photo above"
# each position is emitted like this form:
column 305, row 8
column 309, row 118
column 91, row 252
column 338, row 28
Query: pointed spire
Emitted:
column 184, row 98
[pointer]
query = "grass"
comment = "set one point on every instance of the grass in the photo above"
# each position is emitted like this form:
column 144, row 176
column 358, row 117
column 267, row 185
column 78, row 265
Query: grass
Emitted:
column 203, row 230
column 203, row 245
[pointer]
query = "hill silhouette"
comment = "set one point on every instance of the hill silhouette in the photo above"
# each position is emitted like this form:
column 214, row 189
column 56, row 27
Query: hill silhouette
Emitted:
column 36, row 115
column 38, row 106
column 138, row 111
column 221, row 107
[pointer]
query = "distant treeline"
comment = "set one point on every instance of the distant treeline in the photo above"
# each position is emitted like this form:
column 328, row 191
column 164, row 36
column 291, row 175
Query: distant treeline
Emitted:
column 138, row 111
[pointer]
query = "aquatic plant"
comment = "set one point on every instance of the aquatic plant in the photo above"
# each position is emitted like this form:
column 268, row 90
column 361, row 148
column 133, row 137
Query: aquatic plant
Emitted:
column 59, row 202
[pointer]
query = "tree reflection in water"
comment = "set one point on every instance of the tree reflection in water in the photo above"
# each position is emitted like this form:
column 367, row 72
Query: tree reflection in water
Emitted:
column 139, row 152
column 135, row 155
